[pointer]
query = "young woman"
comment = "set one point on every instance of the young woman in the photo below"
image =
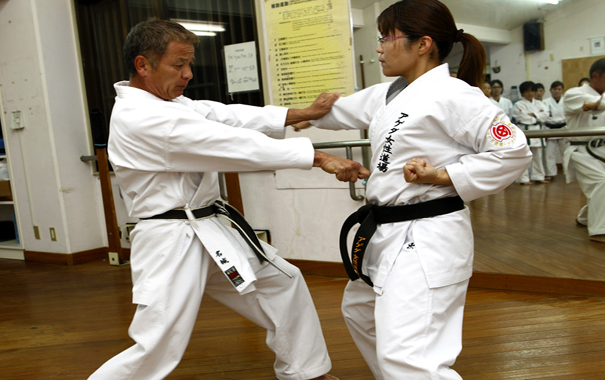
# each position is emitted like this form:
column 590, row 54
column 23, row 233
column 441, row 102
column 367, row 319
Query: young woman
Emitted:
column 436, row 143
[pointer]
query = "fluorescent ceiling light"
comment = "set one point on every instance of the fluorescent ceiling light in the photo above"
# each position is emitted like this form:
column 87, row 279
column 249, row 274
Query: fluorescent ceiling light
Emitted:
column 550, row 1
column 200, row 33
column 196, row 27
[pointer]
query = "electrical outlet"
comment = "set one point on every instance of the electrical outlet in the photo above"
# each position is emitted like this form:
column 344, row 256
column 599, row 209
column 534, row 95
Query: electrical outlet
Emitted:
column 53, row 234
column 37, row 232
column 114, row 259
column 125, row 231
column 16, row 120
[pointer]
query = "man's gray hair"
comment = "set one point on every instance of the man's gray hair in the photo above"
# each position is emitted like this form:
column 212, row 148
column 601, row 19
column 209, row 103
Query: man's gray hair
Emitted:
column 151, row 38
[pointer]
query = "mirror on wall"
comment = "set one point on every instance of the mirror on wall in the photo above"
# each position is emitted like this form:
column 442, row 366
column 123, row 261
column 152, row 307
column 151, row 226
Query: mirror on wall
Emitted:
column 524, row 230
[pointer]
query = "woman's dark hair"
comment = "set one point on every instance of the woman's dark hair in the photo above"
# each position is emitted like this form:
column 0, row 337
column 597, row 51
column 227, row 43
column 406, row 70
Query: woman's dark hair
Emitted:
column 526, row 86
column 556, row 83
column 151, row 38
column 418, row 18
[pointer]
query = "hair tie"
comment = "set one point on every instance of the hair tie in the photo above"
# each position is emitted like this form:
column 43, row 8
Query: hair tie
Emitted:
column 458, row 36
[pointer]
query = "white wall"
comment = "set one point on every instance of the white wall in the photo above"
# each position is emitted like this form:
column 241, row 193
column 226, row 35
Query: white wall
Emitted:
column 365, row 43
column 40, row 76
column 567, row 34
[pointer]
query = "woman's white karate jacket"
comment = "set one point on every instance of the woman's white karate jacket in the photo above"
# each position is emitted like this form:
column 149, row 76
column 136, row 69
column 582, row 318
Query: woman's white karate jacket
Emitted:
column 452, row 126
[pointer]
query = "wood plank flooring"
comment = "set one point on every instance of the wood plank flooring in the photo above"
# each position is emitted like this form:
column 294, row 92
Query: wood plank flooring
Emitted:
column 62, row 322
column 531, row 230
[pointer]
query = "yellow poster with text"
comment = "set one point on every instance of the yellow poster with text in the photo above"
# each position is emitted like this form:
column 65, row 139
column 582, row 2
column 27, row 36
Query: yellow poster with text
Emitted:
column 309, row 43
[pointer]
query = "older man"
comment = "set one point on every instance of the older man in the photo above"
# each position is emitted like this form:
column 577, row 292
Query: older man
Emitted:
column 584, row 109
column 166, row 151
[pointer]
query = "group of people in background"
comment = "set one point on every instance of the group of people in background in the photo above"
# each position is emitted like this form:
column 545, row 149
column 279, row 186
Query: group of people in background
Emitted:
column 534, row 112
column 582, row 156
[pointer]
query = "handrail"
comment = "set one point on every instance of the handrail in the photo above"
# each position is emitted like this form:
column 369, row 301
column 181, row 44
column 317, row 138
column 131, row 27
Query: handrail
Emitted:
column 545, row 133
column 348, row 144
column 563, row 132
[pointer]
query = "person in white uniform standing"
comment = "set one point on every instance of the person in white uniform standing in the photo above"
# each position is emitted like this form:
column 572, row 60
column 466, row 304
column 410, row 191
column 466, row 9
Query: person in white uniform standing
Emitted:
column 166, row 151
column 436, row 143
column 529, row 114
column 584, row 159
column 555, row 146
column 504, row 103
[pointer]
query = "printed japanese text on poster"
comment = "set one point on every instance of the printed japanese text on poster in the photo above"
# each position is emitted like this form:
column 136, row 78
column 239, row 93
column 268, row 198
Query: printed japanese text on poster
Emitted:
column 309, row 44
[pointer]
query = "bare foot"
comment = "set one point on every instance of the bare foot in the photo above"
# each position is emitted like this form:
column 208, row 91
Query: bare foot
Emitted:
column 327, row 376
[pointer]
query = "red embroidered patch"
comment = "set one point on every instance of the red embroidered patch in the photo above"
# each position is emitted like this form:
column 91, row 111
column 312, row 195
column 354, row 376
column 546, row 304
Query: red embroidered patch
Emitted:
column 501, row 132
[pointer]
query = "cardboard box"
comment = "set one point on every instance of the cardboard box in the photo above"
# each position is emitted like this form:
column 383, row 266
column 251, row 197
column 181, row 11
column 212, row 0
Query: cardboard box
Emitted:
column 5, row 191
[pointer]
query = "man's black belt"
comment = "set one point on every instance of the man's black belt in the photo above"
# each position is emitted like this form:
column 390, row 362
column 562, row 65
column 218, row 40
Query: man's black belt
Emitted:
column 555, row 125
column 591, row 146
column 228, row 211
column 369, row 216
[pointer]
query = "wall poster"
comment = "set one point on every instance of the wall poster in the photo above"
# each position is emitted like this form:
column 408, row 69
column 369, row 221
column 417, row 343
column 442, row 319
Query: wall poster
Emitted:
column 309, row 45
column 240, row 63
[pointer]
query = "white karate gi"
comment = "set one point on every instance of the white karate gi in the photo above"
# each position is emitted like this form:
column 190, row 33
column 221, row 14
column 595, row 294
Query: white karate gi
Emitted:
column 505, row 105
column 555, row 146
column 166, row 155
column 578, row 163
column 410, row 325
column 520, row 112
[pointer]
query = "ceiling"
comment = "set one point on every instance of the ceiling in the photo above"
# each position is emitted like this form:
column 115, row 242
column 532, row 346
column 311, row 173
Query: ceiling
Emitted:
column 499, row 14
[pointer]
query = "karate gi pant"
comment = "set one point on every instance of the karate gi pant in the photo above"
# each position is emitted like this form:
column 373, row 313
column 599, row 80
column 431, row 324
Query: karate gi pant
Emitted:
column 590, row 173
column 554, row 148
column 535, row 171
column 279, row 304
column 410, row 331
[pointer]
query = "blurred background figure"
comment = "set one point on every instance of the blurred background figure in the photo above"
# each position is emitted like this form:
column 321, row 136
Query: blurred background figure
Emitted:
column 487, row 89
column 529, row 115
column 505, row 104
column 555, row 146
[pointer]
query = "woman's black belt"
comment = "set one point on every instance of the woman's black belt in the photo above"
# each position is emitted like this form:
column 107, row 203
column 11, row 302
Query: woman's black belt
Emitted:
column 369, row 216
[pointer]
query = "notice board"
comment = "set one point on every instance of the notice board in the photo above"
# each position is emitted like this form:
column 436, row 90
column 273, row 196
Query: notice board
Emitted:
column 240, row 63
column 309, row 50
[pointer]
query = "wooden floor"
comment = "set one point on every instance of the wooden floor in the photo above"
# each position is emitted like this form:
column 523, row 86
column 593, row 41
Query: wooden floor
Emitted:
column 63, row 322
column 531, row 230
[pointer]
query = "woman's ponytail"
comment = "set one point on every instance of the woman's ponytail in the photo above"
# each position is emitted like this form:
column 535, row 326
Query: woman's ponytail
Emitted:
column 472, row 65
